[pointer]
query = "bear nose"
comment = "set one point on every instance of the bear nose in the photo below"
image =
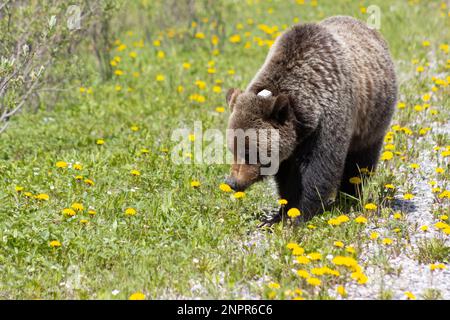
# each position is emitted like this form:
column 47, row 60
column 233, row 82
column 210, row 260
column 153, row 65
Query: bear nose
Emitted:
column 231, row 182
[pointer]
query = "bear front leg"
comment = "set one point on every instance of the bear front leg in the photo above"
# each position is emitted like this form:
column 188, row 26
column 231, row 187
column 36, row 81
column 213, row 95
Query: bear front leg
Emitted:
column 321, row 176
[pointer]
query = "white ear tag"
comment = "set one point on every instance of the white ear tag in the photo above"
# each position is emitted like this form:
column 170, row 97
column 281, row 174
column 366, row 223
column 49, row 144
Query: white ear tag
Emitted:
column 265, row 93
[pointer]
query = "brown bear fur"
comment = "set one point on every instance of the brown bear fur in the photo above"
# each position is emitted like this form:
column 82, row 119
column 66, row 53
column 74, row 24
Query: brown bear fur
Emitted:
column 334, row 91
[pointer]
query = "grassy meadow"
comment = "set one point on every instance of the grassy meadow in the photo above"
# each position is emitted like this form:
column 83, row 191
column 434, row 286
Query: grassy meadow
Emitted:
column 92, row 207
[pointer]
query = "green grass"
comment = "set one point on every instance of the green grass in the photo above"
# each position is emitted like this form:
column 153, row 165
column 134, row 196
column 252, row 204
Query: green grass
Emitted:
column 182, row 236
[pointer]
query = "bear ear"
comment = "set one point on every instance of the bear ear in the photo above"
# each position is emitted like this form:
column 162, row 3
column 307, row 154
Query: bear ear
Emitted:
column 231, row 96
column 280, row 108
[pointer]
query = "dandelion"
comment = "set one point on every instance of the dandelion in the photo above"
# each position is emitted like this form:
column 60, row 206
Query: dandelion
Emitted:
column 439, row 170
column 92, row 212
column 361, row 220
column 161, row 54
column 130, row 211
column 77, row 206
column 355, row 180
column 78, row 167
column 293, row 213
column 282, row 202
column 424, row 228
column 441, row 225
column 69, row 212
column 338, row 244
column 55, row 244
column 302, row 260
column 61, row 164
column 314, row 256
column 303, row 274
column 414, row 166
column 387, row 241
column 43, row 197
column 225, row 187
column 134, row 128
column 100, row 142
column 370, row 206
column 389, row 186
column 374, row 235
column 135, row 173
column 200, row 35
column 274, row 285
column 408, row 196
column 18, row 189
column 220, row 109
column 291, row 245
column 298, row 251
column 410, row 296
column 84, row 221
column 118, row 72
column 235, row 38
column 195, row 184
column 397, row 216
column 89, row 182
column 350, row 249
column 387, row 155
column 137, row 296
column 313, row 281
column 360, row 277
column 160, row 77
column 341, row 291
column 239, row 195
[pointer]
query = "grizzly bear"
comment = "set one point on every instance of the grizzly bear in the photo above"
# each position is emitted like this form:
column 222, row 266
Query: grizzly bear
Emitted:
column 332, row 92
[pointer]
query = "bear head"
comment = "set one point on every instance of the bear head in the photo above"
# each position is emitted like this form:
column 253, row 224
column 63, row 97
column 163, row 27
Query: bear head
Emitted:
column 261, row 131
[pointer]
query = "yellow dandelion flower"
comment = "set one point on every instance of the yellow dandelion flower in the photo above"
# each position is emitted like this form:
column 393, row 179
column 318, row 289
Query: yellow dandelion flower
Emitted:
column 314, row 256
column 195, row 184
column 130, row 212
column 303, row 274
column 387, row 155
column 225, row 188
column 282, row 202
column 77, row 206
column 341, row 291
column 135, row 172
column 408, row 196
column 68, row 212
column 355, row 180
column 338, row 244
column 61, row 164
column 89, row 182
column 55, row 244
column 239, row 195
column 274, row 285
column 43, row 196
column 361, row 220
column 293, row 213
column 374, row 235
column 313, row 281
column 137, row 296
column 302, row 260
